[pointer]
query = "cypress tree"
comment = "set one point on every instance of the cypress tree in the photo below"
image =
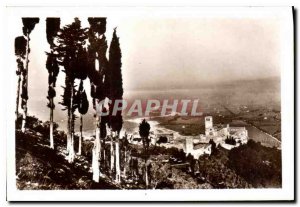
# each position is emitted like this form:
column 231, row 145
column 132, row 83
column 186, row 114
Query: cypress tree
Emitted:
column 20, row 52
column 144, row 131
column 115, row 93
column 28, row 26
column 52, row 28
column 98, row 66
column 83, row 106
column 74, row 58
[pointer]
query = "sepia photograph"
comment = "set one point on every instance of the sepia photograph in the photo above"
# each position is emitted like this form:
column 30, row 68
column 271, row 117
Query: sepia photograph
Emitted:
column 150, row 104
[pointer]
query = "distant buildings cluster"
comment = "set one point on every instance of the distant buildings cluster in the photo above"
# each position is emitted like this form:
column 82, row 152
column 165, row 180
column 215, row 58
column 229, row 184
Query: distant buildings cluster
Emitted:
column 227, row 137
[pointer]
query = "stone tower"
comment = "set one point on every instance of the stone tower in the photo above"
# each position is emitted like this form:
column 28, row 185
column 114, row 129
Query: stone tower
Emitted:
column 208, row 122
column 209, row 129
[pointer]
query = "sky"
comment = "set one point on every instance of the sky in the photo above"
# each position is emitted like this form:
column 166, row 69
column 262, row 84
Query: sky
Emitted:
column 169, row 53
column 182, row 52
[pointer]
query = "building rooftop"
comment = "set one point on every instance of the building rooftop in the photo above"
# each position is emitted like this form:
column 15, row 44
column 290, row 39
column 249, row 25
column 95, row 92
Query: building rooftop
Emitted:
column 201, row 145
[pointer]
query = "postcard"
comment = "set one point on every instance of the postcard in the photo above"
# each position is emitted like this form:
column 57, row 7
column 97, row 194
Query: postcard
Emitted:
column 150, row 103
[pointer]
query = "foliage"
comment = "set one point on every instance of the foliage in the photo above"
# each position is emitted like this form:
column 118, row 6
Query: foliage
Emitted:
column 81, row 99
column 72, row 55
column 164, row 176
column 71, row 52
column 53, row 70
column 21, row 68
column 230, row 140
column 115, row 82
column 52, row 28
column 97, row 51
column 29, row 24
column 115, row 64
column 162, row 139
column 160, row 172
column 259, row 165
column 214, row 170
column 144, row 130
column 97, row 24
column 213, row 145
column 20, row 46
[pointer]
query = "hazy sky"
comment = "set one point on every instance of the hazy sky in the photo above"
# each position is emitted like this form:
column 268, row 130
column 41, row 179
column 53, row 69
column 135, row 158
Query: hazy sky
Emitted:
column 183, row 52
column 164, row 53
column 179, row 52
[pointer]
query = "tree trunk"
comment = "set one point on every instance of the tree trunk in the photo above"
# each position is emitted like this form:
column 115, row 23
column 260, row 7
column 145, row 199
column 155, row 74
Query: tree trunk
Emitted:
column 125, row 162
column 95, row 164
column 24, row 115
column 18, row 96
column 97, row 149
column 95, row 158
column 112, row 155
column 146, row 175
column 146, row 167
column 69, row 123
column 51, row 125
column 98, row 140
column 25, row 80
column 72, row 151
column 98, row 131
column 80, row 138
column 118, row 173
column 71, row 154
column 69, row 132
column 98, row 143
column 104, row 156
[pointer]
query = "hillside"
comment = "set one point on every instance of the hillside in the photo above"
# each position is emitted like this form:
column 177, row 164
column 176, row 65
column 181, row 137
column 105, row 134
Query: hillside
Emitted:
column 39, row 167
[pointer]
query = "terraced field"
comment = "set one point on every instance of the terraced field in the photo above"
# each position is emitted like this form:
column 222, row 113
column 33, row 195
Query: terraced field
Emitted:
column 265, row 139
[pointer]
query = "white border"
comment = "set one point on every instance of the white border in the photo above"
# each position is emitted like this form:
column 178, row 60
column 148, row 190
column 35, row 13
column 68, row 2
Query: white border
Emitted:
column 287, row 87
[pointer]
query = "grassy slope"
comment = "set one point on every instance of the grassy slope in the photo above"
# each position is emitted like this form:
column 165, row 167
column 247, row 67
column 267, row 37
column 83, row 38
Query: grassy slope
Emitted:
column 39, row 167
